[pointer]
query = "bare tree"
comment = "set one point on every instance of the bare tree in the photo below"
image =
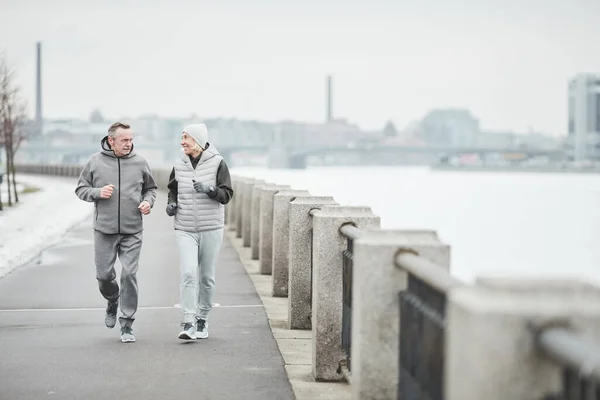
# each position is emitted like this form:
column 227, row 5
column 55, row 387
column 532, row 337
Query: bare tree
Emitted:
column 12, row 123
column 1, row 172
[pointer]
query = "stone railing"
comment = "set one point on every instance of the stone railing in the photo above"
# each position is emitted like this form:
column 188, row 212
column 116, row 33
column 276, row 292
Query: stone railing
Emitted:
column 387, row 316
column 54, row 170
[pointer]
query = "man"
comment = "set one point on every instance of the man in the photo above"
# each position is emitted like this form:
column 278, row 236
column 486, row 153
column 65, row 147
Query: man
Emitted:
column 121, row 185
column 199, row 187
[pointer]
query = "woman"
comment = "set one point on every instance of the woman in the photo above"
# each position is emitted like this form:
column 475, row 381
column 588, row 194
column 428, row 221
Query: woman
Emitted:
column 199, row 187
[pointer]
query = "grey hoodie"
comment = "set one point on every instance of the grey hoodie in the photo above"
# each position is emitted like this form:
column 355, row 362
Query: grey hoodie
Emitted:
column 133, row 182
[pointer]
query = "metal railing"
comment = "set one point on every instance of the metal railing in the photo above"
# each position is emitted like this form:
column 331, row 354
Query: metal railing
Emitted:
column 579, row 359
column 422, row 327
column 350, row 232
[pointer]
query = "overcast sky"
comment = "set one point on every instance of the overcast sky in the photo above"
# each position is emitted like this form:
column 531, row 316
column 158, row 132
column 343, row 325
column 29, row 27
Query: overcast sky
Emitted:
column 506, row 60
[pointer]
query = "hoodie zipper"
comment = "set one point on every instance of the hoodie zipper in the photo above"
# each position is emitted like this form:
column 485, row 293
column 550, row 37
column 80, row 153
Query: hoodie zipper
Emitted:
column 119, row 199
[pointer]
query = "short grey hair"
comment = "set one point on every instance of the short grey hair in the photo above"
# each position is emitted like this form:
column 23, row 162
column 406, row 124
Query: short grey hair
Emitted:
column 112, row 131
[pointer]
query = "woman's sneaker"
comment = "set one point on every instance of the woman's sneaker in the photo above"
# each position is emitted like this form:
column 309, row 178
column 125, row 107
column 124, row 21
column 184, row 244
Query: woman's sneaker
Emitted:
column 201, row 329
column 127, row 334
column 188, row 332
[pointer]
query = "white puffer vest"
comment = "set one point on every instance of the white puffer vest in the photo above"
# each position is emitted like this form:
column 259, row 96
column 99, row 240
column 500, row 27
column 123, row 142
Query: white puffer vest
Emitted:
column 196, row 211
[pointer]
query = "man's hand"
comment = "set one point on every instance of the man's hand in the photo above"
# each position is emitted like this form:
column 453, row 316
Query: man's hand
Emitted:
column 107, row 191
column 201, row 187
column 171, row 209
column 144, row 207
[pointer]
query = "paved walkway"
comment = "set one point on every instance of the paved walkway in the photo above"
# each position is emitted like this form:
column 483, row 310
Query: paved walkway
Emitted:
column 53, row 342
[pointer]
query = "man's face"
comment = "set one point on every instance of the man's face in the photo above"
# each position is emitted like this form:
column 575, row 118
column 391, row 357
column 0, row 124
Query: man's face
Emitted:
column 122, row 142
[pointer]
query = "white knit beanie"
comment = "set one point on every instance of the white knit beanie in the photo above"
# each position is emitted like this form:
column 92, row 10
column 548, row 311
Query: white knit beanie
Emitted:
column 199, row 133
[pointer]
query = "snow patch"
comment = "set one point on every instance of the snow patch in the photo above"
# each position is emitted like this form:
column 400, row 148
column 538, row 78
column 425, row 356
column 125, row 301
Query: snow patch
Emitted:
column 40, row 219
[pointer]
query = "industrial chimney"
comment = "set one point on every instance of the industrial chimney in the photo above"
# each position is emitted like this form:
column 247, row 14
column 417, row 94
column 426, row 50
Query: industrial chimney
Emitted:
column 38, row 91
column 329, row 100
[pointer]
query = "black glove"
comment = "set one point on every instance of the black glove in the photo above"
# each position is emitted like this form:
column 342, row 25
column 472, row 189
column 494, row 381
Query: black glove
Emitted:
column 202, row 187
column 171, row 209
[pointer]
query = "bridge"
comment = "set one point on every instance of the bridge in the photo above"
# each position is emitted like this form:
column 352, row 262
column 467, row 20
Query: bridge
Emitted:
column 298, row 159
column 278, row 155
column 355, row 311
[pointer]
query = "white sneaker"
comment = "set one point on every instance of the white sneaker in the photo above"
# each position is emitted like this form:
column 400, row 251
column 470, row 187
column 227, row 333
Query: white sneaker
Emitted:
column 127, row 335
column 188, row 332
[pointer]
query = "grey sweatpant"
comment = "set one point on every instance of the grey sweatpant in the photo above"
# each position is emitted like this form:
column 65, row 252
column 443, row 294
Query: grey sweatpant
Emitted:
column 198, row 254
column 128, row 248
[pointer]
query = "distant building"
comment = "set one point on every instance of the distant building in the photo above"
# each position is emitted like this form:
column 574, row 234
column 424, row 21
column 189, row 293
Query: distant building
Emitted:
column 450, row 127
column 497, row 139
column 65, row 132
column 583, row 142
column 390, row 130
column 509, row 139
column 96, row 117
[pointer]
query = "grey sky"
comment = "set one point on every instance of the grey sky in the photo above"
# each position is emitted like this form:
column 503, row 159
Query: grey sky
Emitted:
column 506, row 60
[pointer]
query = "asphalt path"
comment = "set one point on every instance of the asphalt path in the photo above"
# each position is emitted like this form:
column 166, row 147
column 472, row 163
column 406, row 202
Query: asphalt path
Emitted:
column 54, row 345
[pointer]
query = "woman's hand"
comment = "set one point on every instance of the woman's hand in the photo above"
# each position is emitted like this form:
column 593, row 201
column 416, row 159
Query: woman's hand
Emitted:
column 171, row 209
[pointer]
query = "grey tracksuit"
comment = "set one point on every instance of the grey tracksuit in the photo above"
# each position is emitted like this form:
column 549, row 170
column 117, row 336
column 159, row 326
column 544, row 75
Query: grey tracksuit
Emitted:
column 199, row 227
column 117, row 221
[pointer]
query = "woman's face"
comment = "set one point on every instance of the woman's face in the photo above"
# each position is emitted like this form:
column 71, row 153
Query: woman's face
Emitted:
column 188, row 144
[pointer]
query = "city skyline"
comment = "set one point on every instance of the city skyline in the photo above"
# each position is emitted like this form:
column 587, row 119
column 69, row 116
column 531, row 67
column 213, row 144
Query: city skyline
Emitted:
column 508, row 63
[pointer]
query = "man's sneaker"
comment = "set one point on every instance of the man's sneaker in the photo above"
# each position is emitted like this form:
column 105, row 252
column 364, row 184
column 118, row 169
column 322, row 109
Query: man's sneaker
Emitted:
column 201, row 329
column 188, row 332
column 111, row 314
column 127, row 334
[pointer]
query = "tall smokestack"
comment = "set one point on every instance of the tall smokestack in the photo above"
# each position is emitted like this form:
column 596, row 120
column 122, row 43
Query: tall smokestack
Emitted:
column 38, row 91
column 329, row 100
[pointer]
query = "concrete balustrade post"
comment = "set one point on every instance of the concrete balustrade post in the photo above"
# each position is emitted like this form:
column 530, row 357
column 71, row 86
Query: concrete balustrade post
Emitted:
column 229, row 206
column 490, row 349
column 234, row 204
column 376, row 282
column 300, row 259
column 243, row 211
column 327, row 284
column 255, row 218
column 236, row 220
column 248, row 188
column 281, row 239
column 161, row 177
column 265, row 247
column 244, row 197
